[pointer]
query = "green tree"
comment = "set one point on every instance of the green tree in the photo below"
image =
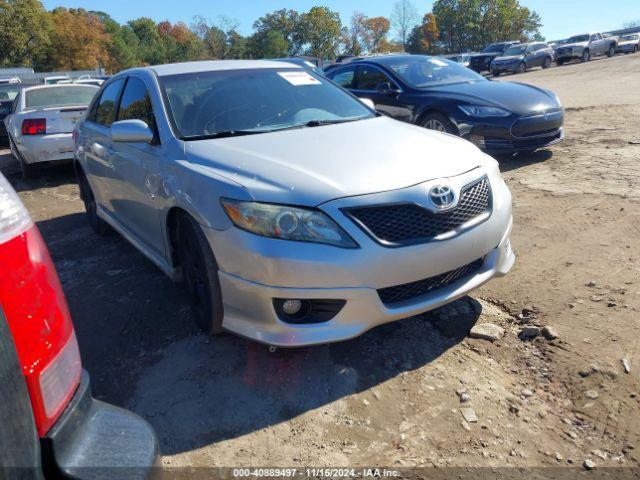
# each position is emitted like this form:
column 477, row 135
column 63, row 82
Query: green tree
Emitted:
column 321, row 29
column 268, row 44
column 25, row 28
column 288, row 23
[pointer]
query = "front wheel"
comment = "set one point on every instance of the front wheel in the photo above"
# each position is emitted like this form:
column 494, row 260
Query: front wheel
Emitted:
column 438, row 122
column 547, row 63
column 200, row 273
column 586, row 56
column 560, row 62
column 495, row 73
column 635, row 49
column 611, row 52
column 522, row 67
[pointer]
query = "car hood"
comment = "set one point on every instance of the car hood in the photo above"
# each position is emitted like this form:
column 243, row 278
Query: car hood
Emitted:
column 484, row 55
column 573, row 45
column 509, row 58
column 311, row 166
column 518, row 98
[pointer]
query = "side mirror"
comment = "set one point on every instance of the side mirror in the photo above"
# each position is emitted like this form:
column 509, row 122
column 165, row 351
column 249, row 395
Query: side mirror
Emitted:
column 385, row 88
column 133, row 131
column 368, row 102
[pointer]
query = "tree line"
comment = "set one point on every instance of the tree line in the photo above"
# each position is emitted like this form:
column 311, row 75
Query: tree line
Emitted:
column 77, row 39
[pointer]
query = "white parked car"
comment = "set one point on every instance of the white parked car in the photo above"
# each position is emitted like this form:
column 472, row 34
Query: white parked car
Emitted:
column 41, row 123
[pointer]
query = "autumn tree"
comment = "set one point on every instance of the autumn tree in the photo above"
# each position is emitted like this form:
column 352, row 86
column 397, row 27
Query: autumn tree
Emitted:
column 376, row 29
column 424, row 38
column 353, row 33
column 403, row 17
column 78, row 40
column 25, row 29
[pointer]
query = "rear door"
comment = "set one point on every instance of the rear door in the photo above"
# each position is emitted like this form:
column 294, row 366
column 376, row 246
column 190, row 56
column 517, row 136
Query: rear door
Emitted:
column 19, row 444
column 137, row 168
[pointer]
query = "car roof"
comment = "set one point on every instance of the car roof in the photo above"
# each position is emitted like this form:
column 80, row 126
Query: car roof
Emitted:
column 216, row 65
column 64, row 85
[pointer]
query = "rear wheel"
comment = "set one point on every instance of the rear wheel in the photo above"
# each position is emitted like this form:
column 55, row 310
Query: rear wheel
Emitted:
column 437, row 121
column 611, row 52
column 200, row 273
column 586, row 56
column 547, row 63
column 29, row 171
column 560, row 62
column 86, row 194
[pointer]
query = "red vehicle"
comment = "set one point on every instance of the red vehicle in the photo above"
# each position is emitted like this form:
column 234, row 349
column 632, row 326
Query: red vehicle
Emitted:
column 51, row 427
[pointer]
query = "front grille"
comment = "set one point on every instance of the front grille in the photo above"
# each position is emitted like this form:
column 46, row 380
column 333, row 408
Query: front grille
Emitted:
column 533, row 143
column 408, row 224
column 411, row 290
column 539, row 123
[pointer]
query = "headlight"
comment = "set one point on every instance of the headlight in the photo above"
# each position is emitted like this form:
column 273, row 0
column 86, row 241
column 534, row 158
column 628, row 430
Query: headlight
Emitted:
column 285, row 222
column 483, row 111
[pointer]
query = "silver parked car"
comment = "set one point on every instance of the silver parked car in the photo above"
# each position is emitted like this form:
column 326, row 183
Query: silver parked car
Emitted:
column 41, row 123
column 295, row 214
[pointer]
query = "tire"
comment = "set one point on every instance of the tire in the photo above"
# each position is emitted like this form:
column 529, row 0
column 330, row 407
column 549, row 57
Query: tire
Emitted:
column 547, row 63
column 612, row 51
column 438, row 122
column 635, row 49
column 586, row 56
column 495, row 73
column 200, row 274
column 29, row 171
column 98, row 225
column 560, row 62
column 522, row 68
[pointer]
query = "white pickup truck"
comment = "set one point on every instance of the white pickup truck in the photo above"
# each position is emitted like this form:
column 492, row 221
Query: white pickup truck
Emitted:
column 585, row 46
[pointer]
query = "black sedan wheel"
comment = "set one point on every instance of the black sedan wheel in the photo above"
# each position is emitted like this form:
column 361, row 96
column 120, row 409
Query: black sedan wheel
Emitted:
column 86, row 194
column 547, row 63
column 200, row 273
column 438, row 122
column 586, row 56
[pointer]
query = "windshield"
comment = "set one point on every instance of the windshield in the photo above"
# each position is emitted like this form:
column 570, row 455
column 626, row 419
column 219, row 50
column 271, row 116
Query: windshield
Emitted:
column 517, row 50
column 9, row 92
column 494, row 48
column 59, row 96
column 209, row 104
column 422, row 72
column 578, row 39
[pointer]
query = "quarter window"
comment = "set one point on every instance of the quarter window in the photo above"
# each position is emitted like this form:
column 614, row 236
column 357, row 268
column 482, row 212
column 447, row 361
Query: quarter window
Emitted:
column 106, row 109
column 136, row 103
column 369, row 78
column 345, row 78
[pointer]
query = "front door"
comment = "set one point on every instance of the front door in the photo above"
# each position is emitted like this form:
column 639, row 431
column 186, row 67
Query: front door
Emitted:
column 369, row 83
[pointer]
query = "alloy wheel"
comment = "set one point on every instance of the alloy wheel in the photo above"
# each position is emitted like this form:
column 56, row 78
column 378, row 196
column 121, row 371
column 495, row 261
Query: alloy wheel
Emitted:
column 433, row 124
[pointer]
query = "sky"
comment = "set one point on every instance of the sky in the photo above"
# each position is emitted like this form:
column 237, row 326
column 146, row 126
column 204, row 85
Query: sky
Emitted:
column 560, row 18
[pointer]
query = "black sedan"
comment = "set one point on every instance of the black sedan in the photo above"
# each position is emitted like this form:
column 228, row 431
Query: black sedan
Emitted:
column 498, row 117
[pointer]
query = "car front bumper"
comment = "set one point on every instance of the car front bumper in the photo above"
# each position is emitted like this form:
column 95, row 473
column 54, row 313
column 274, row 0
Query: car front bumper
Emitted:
column 256, row 270
column 95, row 440
column 46, row 148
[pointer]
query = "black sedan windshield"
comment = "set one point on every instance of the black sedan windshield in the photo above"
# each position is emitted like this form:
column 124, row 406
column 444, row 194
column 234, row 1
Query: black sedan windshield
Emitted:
column 422, row 72
column 236, row 102
column 518, row 50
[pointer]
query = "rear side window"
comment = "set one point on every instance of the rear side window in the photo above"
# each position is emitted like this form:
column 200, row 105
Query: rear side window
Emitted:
column 369, row 78
column 106, row 109
column 136, row 103
column 59, row 96
column 345, row 78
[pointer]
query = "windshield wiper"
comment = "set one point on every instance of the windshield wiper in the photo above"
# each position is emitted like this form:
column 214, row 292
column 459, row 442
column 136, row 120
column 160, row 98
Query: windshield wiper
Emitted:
column 318, row 123
column 224, row 134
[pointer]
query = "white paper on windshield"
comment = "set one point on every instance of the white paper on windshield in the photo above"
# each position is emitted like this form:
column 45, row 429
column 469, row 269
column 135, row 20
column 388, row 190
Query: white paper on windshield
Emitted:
column 299, row 78
column 438, row 62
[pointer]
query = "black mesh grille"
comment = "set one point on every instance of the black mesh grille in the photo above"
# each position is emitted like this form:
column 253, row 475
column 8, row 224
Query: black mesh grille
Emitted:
column 411, row 290
column 408, row 223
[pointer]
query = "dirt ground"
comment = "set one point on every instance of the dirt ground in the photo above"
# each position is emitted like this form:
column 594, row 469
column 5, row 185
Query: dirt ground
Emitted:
column 399, row 395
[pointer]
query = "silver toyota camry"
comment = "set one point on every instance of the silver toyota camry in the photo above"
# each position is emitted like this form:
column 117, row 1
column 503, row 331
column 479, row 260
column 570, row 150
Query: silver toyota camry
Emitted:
column 294, row 214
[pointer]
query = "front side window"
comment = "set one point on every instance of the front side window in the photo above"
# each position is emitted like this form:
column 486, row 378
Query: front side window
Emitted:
column 369, row 78
column 517, row 50
column 59, row 96
column 238, row 102
column 345, row 78
column 106, row 107
column 421, row 71
column 136, row 103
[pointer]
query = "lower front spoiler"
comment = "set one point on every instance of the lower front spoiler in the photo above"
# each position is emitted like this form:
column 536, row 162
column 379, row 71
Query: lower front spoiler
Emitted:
column 499, row 146
column 95, row 440
column 249, row 311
